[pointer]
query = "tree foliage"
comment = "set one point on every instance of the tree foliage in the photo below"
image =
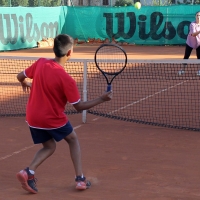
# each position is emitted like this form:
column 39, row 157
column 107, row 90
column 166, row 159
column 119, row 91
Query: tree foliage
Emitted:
column 124, row 3
column 30, row 3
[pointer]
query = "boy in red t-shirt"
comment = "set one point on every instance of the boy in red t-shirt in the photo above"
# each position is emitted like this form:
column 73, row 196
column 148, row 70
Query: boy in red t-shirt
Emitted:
column 50, row 90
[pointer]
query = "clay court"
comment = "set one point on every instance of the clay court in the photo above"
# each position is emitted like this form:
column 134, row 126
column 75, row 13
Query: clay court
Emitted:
column 123, row 160
column 87, row 51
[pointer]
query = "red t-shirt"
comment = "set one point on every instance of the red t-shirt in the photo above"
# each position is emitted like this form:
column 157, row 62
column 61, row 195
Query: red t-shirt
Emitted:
column 51, row 89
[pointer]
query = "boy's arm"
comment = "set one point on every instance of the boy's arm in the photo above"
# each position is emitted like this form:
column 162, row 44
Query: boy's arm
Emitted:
column 107, row 96
column 25, row 85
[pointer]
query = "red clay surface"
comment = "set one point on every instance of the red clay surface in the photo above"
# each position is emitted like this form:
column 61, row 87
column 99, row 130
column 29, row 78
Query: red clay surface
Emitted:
column 133, row 52
column 123, row 160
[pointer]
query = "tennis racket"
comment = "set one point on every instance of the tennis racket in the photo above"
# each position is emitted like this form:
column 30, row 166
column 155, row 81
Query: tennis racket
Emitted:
column 111, row 60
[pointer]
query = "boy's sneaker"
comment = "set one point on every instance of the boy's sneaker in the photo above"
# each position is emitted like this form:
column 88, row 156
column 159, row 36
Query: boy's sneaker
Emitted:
column 82, row 183
column 27, row 180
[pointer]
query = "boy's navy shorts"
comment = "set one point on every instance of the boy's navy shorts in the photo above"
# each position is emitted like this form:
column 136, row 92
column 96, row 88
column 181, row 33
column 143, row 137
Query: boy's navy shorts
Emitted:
column 43, row 135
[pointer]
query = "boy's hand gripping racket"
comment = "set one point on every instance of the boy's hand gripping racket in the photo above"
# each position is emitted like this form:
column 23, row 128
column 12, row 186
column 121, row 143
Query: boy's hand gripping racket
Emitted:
column 111, row 60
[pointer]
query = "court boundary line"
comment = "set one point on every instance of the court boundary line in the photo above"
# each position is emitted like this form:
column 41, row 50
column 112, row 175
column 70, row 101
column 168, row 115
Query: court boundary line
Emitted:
column 25, row 148
column 149, row 96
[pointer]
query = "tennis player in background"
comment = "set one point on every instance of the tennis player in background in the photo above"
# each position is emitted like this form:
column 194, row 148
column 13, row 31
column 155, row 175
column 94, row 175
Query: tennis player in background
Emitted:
column 193, row 41
column 51, row 89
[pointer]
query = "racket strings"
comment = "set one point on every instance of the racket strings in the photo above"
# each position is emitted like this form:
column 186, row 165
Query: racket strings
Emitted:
column 110, row 59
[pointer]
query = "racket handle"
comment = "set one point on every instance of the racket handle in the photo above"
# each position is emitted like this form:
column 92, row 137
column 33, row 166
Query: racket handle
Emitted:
column 109, row 87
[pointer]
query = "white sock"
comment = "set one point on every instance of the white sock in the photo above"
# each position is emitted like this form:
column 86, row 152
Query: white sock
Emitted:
column 31, row 171
column 80, row 176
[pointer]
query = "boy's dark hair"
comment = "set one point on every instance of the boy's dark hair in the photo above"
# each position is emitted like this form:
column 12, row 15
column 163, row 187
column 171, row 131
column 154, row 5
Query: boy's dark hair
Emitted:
column 62, row 44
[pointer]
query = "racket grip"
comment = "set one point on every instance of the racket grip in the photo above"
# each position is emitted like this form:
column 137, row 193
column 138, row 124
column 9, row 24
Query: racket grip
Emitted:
column 109, row 87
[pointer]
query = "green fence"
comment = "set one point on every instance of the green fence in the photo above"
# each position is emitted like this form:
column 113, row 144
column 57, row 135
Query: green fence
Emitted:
column 23, row 27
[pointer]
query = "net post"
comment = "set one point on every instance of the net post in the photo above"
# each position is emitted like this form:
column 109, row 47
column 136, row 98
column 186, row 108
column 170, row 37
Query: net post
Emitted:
column 84, row 113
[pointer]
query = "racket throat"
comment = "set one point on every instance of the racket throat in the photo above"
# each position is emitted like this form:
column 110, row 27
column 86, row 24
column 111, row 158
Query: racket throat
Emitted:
column 109, row 87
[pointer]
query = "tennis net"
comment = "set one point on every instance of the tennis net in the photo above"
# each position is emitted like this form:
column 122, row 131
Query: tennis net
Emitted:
column 161, row 93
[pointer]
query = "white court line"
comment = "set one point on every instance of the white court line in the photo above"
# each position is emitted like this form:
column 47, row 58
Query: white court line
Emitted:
column 25, row 148
column 16, row 152
column 145, row 98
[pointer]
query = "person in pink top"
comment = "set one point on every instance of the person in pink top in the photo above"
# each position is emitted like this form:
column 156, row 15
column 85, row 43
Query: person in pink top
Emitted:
column 193, row 41
column 52, row 87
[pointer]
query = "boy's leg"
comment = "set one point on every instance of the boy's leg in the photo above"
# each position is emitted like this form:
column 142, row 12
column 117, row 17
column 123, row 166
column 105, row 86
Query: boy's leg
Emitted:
column 75, row 153
column 25, row 177
column 48, row 149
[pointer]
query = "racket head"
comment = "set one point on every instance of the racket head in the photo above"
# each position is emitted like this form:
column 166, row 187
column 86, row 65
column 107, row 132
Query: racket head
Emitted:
column 110, row 59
